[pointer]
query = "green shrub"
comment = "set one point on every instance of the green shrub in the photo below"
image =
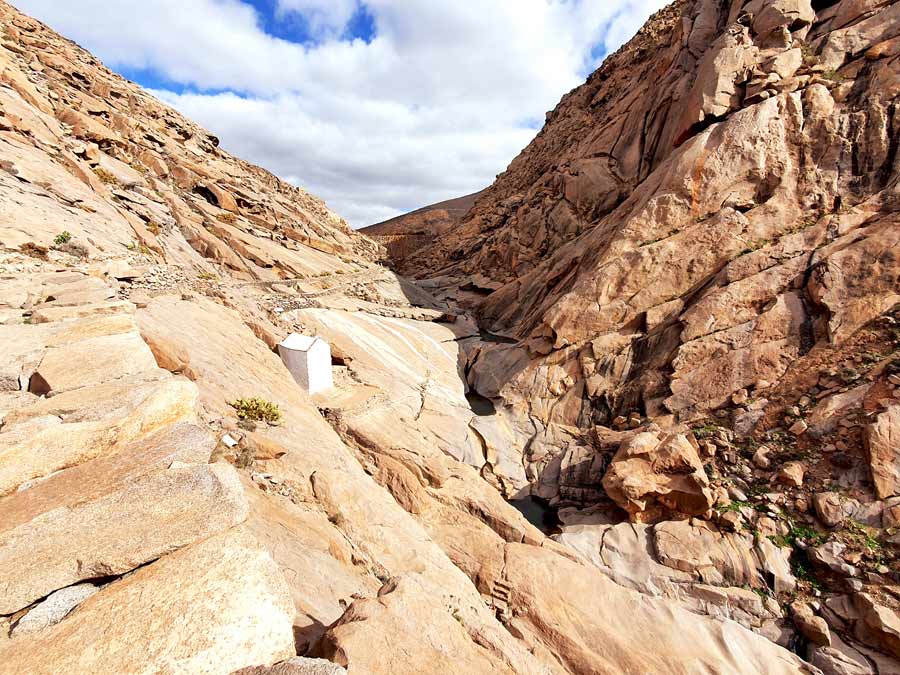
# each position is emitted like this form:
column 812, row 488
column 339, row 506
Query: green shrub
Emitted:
column 63, row 237
column 256, row 410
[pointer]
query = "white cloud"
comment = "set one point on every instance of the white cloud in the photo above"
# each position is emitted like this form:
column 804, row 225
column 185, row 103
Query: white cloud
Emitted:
column 433, row 107
column 325, row 17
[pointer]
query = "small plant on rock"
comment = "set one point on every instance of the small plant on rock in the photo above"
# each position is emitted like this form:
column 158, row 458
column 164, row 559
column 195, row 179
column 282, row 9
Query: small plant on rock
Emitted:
column 63, row 237
column 105, row 176
column 257, row 410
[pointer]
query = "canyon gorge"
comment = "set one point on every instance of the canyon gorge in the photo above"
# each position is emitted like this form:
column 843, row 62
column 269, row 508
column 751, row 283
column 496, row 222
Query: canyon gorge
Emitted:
column 633, row 408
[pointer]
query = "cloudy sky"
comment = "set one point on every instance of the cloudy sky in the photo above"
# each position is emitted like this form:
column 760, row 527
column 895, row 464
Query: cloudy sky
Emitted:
column 377, row 106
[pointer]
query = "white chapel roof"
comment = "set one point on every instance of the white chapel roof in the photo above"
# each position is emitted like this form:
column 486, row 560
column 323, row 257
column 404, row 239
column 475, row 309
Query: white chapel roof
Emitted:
column 298, row 342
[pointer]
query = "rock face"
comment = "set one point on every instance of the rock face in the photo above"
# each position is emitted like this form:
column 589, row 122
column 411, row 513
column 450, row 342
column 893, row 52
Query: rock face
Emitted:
column 152, row 520
column 883, row 445
column 226, row 596
column 652, row 476
column 666, row 247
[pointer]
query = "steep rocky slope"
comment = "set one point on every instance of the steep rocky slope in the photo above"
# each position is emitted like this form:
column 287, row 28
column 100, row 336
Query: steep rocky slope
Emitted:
column 152, row 521
column 689, row 285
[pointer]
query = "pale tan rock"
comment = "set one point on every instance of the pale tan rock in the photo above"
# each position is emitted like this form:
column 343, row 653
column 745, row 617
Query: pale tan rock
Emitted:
column 103, row 401
column 791, row 474
column 882, row 439
column 81, row 292
column 878, row 625
column 812, row 627
column 50, row 314
column 46, row 444
column 655, row 473
column 53, row 609
column 99, row 359
column 184, row 443
column 123, row 175
column 116, row 532
column 298, row 665
column 380, row 635
column 589, row 635
column 795, row 14
column 214, row 607
column 829, row 509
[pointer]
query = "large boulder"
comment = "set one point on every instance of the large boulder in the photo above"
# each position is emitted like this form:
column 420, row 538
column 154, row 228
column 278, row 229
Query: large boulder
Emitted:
column 882, row 439
column 655, row 474
column 114, row 532
column 215, row 607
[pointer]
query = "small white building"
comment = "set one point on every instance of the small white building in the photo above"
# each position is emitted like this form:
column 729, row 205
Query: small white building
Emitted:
column 309, row 360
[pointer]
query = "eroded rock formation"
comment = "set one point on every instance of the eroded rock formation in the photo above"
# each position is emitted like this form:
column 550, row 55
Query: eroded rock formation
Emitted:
column 148, row 524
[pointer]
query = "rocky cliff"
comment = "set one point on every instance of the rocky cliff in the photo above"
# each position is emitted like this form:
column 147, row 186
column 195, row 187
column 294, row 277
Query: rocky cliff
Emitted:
column 704, row 238
column 172, row 501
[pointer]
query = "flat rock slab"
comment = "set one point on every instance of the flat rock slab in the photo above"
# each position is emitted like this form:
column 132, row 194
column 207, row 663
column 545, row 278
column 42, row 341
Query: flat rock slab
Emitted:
column 47, row 314
column 215, row 607
column 184, row 442
column 117, row 532
column 45, row 444
column 77, row 292
column 98, row 359
column 109, row 401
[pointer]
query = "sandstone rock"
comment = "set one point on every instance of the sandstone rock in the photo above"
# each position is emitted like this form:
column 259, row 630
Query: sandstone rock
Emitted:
column 653, row 474
column 835, row 662
column 99, row 359
column 829, row 557
column 366, row 637
column 656, row 248
column 225, row 593
column 123, row 529
column 829, row 509
column 812, row 627
column 44, row 444
column 879, row 625
column 296, row 666
column 51, row 314
column 588, row 638
column 791, row 474
column 882, row 439
column 760, row 457
column 795, row 14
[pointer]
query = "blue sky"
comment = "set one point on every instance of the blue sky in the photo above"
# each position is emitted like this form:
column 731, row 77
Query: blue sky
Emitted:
column 378, row 106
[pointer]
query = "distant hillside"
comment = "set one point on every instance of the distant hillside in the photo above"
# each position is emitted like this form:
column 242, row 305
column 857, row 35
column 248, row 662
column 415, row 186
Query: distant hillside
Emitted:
column 405, row 234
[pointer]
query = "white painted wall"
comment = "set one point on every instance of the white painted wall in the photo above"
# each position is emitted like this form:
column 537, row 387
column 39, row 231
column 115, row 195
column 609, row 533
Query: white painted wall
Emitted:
column 309, row 361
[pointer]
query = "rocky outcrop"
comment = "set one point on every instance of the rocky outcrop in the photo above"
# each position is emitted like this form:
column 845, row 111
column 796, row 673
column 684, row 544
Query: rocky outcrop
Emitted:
column 883, row 444
column 652, row 477
column 664, row 248
column 146, row 275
